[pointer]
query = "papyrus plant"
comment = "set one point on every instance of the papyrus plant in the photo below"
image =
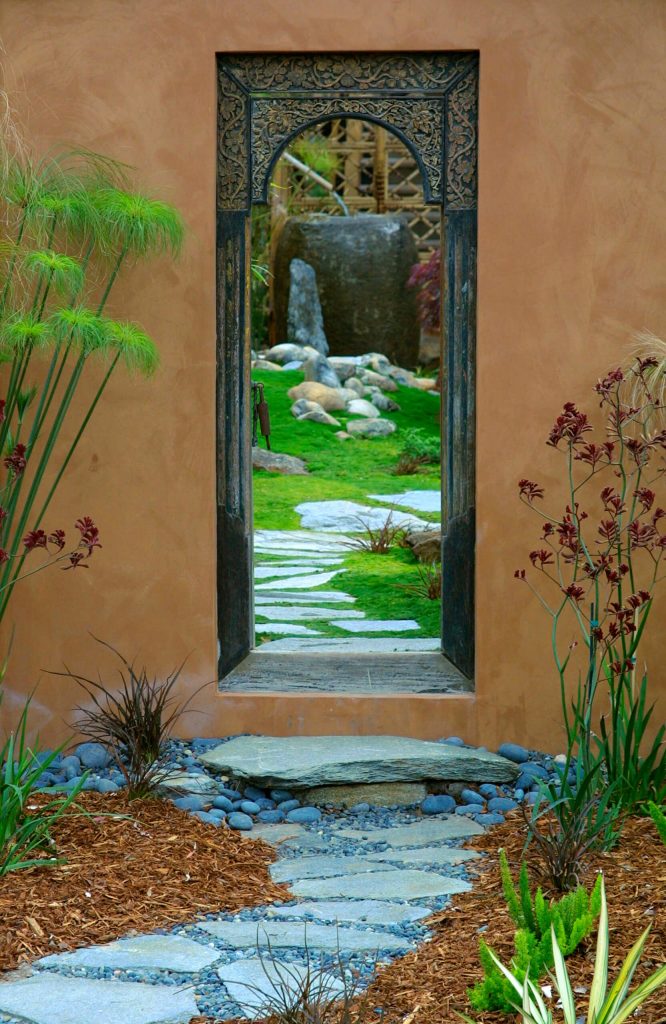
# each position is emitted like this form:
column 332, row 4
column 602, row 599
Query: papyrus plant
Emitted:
column 598, row 562
column 69, row 226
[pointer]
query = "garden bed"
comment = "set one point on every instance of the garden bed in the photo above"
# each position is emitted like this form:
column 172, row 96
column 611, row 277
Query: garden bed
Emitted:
column 130, row 867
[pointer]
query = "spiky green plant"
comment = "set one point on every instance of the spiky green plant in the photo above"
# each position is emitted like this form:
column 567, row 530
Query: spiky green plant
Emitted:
column 69, row 224
column 659, row 819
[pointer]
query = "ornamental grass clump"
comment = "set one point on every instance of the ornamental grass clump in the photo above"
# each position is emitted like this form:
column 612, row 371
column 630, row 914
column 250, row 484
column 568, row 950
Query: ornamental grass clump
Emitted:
column 570, row 918
column 599, row 560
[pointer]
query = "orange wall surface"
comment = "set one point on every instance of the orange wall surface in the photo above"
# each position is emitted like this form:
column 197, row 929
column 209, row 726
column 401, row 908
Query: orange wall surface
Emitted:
column 572, row 240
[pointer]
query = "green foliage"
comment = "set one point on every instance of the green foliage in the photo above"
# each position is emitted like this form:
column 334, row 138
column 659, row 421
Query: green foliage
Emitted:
column 419, row 448
column 659, row 819
column 605, row 1006
column 25, row 838
column 314, row 150
column 571, row 919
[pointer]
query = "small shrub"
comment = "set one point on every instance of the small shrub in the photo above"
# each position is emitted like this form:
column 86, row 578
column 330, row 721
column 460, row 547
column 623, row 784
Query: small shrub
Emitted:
column 426, row 278
column 659, row 819
column 429, row 584
column 605, row 1007
column 134, row 722
column 419, row 449
column 378, row 539
column 570, row 919
column 25, row 838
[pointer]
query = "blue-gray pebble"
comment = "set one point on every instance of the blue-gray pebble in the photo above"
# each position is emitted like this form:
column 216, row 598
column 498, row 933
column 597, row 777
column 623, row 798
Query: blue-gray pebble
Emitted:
column 470, row 796
column 223, row 803
column 438, row 804
column 514, row 752
column 304, row 815
column 254, row 793
column 241, row 822
column 208, row 818
column 501, row 803
column 488, row 789
column 190, row 803
column 289, row 805
column 93, row 755
column 490, row 819
column 271, row 817
column 280, row 795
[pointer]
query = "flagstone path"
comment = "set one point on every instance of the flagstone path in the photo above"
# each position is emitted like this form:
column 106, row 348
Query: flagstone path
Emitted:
column 314, row 555
column 366, row 889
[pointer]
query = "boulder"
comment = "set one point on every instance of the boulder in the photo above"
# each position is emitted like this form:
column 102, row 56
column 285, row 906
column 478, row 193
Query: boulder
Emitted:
column 277, row 462
column 426, row 545
column 301, row 762
column 302, row 405
column 371, row 428
column 380, row 400
column 318, row 368
column 264, row 364
column 361, row 265
column 320, row 416
column 287, row 353
column 361, row 407
column 377, row 380
column 305, row 324
column 329, row 399
column 355, row 385
column 344, row 368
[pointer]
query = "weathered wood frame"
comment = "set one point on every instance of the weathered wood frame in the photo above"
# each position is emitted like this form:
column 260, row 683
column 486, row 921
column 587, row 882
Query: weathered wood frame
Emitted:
column 430, row 101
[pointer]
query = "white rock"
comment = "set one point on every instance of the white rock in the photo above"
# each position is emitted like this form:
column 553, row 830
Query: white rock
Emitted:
column 361, row 407
column 371, row 428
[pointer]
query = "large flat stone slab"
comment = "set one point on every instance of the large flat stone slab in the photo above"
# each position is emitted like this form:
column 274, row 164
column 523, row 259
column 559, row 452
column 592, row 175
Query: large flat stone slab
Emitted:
column 144, row 952
column 285, row 629
column 256, row 984
column 308, row 582
column 53, row 999
column 377, row 794
column 420, row 833
column 377, row 912
column 381, row 885
column 307, row 761
column 420, row 501
column 365, row 645
column 320, row 867
column 352, row 517
column 298, row 935
column 376, row 625
column 290, row 837
column 303, row 613
column 437, row 856
column 296, row 597
column 263, row 572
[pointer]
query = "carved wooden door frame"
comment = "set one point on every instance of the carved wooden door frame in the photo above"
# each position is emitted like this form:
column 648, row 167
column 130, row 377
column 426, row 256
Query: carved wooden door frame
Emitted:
column 430, row 101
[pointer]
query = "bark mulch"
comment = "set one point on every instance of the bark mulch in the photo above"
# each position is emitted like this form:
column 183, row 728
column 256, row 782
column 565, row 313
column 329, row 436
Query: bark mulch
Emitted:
column 130, row 867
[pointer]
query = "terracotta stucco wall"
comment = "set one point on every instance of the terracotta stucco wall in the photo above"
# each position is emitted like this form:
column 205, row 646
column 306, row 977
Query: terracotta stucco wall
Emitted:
column 571, row 247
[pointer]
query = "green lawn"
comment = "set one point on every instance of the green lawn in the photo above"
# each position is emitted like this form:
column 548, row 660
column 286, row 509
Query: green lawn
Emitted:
column 350, row 470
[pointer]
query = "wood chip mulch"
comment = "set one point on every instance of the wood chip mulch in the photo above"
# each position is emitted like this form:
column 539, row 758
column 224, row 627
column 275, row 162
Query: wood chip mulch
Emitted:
column 130, row 868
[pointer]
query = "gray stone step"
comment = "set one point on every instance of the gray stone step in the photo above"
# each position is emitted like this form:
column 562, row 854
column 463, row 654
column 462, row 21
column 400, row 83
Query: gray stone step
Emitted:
column 144, row 952
column 303, row 613
column 381, row 885
column 437, row 856
column 376, row 625
column 320, row 867
column 376, row 912
column 308, row 582
column 373, row 645
column 299, row 935
column 287, row 597
column 308, row 761
column 257, row 984
column 420, row 833
column 285, row 628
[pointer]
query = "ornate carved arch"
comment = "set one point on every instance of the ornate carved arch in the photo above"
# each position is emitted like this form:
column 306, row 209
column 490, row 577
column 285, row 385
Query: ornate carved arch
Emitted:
column 430, row 101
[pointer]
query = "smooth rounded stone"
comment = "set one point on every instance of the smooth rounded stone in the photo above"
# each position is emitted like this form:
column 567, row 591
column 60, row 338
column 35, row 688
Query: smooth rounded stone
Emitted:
column 289, row 805
column 490, row 818
column 342, row 435
column 254, row 793
column 287, row 353
column 467, row 809
column 531, row 798
column 320, row 416
column 514, row 752
column 377, row 912
column 142, row 952
column 371, row 428
column 303, row 405
column 264, row 804
column 561, row 759
column 359, row 808
column 91, row 784
column 107, row 786
column 527, row 782
column 70, row 762
column 330, row 399
column 488, row 790
column 453, row 741
column 378, row 794
column 239, row 821
column 304, row 815
column 48, row 998
column 381, row 401
column 501, row 804
column 296, row 935
column 361, row 266
column 309, row 761
column 231, row 794
column 208, row 819
column 390, row 885
column 44, row 780
column 441, row 804
column 470, row 796
column 264, row 364
column 71, row 772
column 519, row 795
column 355, row 385
column 271, row 817
column 93, row 755
column 280, row 795
column 361, row 407
column 277, row 462
column 533, row 770
column 305, row 321
column 223, row 803
column 318, row 368
column 249, row 807
column 254, row 983
column 216, row 812
column 378, row 380
column 294, row 364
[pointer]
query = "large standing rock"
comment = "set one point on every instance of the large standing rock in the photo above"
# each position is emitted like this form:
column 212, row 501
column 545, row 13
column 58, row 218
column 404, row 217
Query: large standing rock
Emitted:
column 305, row 761
column 318, row 368
column 305, row 324
column 329, row 399
column 362, row 264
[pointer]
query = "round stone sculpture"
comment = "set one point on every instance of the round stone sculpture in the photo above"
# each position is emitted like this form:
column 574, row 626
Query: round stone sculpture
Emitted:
column 361, row 264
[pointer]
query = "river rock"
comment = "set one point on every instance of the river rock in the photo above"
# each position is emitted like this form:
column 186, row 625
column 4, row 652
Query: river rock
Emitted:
column 329, row 399
column 355, row 385
column 277, row 462
column 380, row 400
column 361, row 266
column 345, row 368
column 288, row 353
column 360, row 407
column 318, row 368
column 264, row 364
column 301, row 762
column 371, row 428
column 320, row 416
column 305, row 323
column 377, row 380
column 427, row 547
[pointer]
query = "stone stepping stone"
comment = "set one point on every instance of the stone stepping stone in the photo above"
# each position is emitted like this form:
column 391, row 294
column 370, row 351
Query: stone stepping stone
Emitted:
column 314, row 560
column 437, row 856
column 267, row 571
column 324, row 542
column 376, row 625
column 370, row 645
column 381, row 885
column 420, row 501
column 144, row 952
column 352, row 517
column 298, row 935
column 278, row 614
column 300, row 582
column 290, row 837
column 334, row 596
column 321, row 867
column 286, row 628
column 53, row 999
column 255, row 983
column 376, row 912
column 421, row 833
column 308, row 761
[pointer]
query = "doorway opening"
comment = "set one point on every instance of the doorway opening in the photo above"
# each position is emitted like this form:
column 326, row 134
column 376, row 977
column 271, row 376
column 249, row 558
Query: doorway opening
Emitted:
column 277, row 116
